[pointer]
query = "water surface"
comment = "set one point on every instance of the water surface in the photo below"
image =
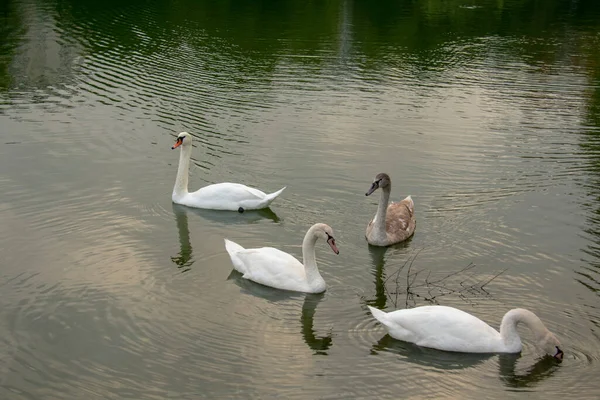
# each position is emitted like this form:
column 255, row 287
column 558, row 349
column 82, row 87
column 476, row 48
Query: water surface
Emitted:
column 487, row 113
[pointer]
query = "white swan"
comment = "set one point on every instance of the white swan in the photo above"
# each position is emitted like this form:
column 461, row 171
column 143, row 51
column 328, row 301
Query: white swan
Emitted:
column 220, row 196
column 275, row 268
column 450, row 329
column 393, row 223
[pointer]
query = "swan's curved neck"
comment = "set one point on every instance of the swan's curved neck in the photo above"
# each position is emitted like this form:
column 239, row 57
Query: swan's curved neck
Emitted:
column 508, row 327
column 379, row 222
column 308, row 256
column 181, row 182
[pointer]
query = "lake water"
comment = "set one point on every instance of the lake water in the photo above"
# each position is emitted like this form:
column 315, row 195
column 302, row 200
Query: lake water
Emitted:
column 486, row 112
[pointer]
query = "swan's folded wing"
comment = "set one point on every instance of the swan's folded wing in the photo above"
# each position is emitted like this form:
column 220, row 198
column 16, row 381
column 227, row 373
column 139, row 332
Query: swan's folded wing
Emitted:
column 399, row 217
column 273, row 267
column 230, row 192
column 448, row 328
column 259, row 194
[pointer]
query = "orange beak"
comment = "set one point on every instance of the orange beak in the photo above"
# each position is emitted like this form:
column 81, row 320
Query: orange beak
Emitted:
column 177, row 143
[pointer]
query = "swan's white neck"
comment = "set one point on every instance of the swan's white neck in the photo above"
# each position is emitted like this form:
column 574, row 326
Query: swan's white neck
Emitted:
column 309, row 259
column 181, row 182
column 508, row 327
column 379, row 221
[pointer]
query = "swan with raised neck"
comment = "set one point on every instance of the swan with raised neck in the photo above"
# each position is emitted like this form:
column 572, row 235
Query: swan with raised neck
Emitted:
column 393, row 222
column 220, row 196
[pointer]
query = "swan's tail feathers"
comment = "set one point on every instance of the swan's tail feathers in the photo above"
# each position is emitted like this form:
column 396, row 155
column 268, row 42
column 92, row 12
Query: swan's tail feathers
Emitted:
column 379, row 315
column 272, row 196
column 232, row 247
column 411, row 203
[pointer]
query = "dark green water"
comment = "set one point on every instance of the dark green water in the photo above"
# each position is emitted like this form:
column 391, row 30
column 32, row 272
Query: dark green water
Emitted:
column 486, row 112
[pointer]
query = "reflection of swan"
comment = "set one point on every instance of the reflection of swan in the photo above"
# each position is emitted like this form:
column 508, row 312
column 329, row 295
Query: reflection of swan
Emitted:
column 320, row 344
column 378, row 260
column 220, row 196
column 184, row 259
column 280, row 270
column 542, row 369
column 225, row 217
column 450, row 329
column 393, row 223
column 428, row 357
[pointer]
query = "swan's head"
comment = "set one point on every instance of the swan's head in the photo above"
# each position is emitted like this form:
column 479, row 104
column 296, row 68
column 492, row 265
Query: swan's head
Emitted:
column 183, row 138
column 325, row 232
column 550, row 345
column 382, row 181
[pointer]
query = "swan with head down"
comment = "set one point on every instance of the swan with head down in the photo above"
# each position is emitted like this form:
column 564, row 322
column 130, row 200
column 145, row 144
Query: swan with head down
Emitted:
column 275, row 268
column 450, row 329
column 220, row 196
column 393, row 222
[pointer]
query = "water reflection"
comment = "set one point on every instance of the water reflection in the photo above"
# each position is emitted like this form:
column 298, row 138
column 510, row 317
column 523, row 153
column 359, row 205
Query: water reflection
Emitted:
column 378, row 263
column 542, row 369
column 319, row 344
column 256, row 289
column 184, row 259
column 378, row 260
column 428, row 357
column 230, row 217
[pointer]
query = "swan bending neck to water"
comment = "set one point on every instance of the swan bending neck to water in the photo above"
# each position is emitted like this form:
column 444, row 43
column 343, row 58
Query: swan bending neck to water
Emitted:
column 278, row 269
column 220, row 196
column 450, row 329
column 393, row 222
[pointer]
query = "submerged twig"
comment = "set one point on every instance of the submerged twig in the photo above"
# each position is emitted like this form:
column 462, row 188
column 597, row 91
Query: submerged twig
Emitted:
column 462, row 283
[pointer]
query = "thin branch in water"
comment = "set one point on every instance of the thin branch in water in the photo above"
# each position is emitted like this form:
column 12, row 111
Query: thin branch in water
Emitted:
column 468, row 286
column 494, row 277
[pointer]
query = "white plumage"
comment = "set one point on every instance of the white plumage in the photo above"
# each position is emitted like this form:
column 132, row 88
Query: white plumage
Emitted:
column 450, row 329
column 220, row 196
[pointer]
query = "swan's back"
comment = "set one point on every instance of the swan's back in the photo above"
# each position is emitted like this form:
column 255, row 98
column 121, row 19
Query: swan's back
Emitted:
column 400, row 220
column 441, row 327
column 225, row 195
column 228, row 196
column 268, row 266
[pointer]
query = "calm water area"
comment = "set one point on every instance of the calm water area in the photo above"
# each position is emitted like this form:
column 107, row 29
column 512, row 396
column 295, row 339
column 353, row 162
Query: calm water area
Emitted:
column 487, row 112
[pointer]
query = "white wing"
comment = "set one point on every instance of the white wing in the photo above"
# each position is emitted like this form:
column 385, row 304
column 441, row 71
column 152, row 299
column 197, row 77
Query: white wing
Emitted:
column 443, row 328
column 232, row 192
column 273, row 267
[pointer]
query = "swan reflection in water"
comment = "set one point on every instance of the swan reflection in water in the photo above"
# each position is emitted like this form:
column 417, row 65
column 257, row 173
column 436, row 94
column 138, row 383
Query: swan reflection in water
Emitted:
column 378, row 270
column 542, row 368
column 185, row 259
column 319, row 344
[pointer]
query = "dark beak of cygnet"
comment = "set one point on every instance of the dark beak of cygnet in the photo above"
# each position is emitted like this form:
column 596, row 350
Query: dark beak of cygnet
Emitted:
column 559, row 354
column 373, row 188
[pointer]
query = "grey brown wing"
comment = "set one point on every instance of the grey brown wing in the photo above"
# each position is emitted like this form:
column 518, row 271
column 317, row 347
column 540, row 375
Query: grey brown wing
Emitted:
column 400, row 220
